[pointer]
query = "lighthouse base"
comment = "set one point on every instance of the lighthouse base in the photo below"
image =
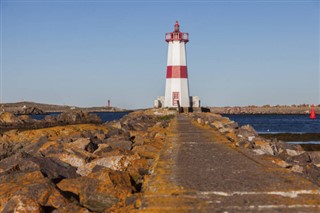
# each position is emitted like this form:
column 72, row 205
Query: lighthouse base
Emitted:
column 194, row 102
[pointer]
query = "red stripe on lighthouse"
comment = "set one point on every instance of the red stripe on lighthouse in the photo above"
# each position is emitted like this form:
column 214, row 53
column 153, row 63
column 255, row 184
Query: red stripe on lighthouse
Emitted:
column 177, row 72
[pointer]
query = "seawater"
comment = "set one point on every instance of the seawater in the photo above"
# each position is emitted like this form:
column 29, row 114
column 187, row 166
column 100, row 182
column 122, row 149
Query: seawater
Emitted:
column 105, row 116
column 274, row 124
column 270, row 124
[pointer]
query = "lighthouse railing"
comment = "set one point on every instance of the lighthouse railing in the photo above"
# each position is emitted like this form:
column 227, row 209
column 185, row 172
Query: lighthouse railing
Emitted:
column 177, row 36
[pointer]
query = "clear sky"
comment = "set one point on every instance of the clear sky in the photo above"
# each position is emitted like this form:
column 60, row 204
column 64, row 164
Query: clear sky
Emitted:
column 86, row 52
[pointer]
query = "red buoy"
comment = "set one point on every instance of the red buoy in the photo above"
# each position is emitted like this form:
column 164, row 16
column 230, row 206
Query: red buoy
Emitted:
column 312, row 113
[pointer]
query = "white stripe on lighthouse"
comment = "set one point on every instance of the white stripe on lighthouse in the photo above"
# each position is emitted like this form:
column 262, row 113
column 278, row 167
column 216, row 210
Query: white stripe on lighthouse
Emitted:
column 177, row 85
column 176, row 54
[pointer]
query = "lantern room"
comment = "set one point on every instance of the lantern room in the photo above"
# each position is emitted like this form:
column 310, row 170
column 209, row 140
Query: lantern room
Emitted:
column 176, row 35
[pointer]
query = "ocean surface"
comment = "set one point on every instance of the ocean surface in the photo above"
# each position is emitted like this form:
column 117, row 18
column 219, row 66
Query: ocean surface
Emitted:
column 263, row 124
column 105, row 116
column 273, row 124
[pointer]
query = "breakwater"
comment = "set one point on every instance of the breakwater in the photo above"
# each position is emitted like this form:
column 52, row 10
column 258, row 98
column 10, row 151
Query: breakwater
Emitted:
column 82, row 166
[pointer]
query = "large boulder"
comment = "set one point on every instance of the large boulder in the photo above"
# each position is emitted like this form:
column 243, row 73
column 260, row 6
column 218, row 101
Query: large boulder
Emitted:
column 54, row 169
column 147, row 151
column 100, row 190
column 26, row 119
column 119, row 142
column 76, row 116
column 8, row 118
column 28, row 191
column 30, row 111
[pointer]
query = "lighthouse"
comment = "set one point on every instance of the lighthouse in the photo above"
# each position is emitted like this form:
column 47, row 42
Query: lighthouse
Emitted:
column 177, row 85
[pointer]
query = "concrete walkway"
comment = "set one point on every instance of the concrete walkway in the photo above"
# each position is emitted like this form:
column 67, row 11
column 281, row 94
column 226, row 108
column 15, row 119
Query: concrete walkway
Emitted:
column 198, row 171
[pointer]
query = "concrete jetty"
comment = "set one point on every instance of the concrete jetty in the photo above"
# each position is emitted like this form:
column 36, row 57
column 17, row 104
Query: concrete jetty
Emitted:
column 199, row 171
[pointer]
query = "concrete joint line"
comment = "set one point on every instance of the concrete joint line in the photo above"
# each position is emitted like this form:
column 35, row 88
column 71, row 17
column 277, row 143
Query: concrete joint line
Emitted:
column 291, row 194
column 264, row 207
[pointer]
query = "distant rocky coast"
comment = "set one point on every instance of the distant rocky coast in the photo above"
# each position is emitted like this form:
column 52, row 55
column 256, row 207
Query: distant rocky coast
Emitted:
column 28, row 108
column 266, row 109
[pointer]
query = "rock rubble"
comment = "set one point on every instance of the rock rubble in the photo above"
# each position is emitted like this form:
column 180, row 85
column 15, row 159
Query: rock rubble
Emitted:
column 8, row 120
column 79, row 167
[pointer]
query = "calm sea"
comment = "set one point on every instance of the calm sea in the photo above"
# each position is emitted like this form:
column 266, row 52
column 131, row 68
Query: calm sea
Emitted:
column 279, row 123
column 261, row 123
column 105, row 116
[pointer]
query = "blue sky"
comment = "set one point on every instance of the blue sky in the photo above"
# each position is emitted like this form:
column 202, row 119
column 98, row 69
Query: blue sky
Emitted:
column 86, row 52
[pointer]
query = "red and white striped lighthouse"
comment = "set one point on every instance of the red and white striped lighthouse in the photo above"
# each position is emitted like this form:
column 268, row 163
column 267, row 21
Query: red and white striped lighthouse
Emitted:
column 177, row 87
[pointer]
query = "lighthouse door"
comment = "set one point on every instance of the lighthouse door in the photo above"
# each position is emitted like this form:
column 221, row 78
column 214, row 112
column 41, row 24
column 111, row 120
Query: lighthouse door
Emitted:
column 175, row 98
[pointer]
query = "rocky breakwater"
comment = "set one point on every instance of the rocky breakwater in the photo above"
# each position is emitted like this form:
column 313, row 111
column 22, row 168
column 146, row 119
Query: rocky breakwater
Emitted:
column 245, row 138
column 80, row 167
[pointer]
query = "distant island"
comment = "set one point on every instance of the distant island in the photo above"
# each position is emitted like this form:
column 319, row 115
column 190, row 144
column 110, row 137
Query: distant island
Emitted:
column 40, row 108
column 265, row 109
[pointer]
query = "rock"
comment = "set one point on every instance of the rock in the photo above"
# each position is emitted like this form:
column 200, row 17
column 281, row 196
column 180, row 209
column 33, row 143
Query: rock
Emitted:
column 100, row 136
column 10, row 164
column 30, row 111
column 54, row 168
column 50, row 119
column 137, row 169
column 232, row 137
column 303, row 158
column 281, row 163
column 116, row 124
column 91, row 147
column 246, row 136
column 200, row 121
column 102, row 148
column 282, row 146
column 292, row 152
column 216, row 124
column 313, row 173
column 71, row 207
column 159, row 136
column 79, row 144
column 224, row 130
column 250, row 138
column 265, row 147
column 8, row 149
column 101, row 190
column 117, row 142
column 18, row 203
column 247, row 130
column 146, row 151
column 72, row 159
column 259, row 151
column 315, row 157
column 28, row 190
column 26, row 119
column 76, row 116
column 9, row 118
column 136, row 138
column 115, row 160
column 297, row 168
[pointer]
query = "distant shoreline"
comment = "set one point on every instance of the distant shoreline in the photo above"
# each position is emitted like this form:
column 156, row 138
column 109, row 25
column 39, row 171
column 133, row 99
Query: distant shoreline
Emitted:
column 276, row 110
column 40, row 108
